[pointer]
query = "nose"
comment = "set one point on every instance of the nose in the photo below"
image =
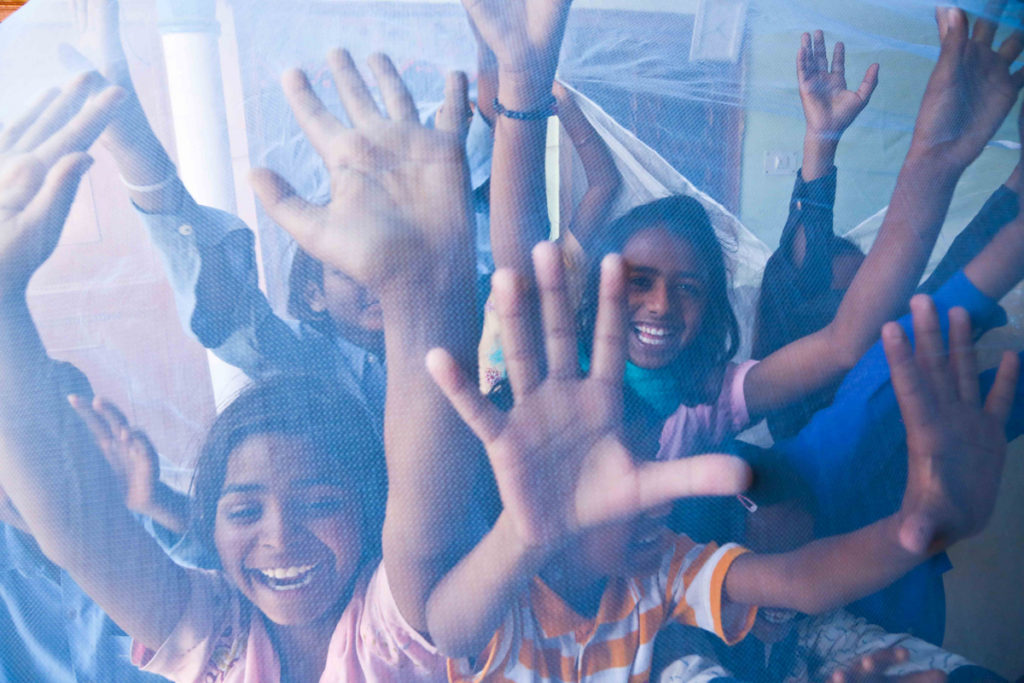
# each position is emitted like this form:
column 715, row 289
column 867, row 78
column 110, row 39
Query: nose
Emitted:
column 274, row 527
column 658, row 299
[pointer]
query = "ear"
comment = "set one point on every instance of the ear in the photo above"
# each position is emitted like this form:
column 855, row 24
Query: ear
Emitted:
column 314, row 296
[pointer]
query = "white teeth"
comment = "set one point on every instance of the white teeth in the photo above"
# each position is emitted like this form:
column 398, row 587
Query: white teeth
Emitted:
column 653, row 335
column 286, row 573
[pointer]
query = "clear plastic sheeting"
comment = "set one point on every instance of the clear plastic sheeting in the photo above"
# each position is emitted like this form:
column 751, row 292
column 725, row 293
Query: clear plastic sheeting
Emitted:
column 205, row 322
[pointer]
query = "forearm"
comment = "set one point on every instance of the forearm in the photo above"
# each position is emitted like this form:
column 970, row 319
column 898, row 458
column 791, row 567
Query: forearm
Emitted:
column 603, row 178
column 432, row 456
column 168, row 508
column 1000, row 265
column 469, row 604
column 897, row 259
column 519, row 211
column 140, row 156
column 825, row 574
column 819, row 155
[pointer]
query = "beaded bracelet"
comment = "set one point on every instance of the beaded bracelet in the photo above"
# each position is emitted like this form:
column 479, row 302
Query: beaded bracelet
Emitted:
column 540, row 115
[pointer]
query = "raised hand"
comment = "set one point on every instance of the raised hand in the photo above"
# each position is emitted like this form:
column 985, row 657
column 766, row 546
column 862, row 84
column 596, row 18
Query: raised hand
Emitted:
column 42, row 160
column 871, row 668
column 971, row 90
column 828, row 106
column 99, row 41
column 399, row 190
column 131, row 456
column 956, row 444
column 526, row 36
column 558, row 456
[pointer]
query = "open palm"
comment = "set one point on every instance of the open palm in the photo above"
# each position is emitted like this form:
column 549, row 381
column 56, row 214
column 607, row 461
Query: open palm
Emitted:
column 971, row 90
column 397, row 187
column 828, row 106
column 42, row 159
column 956, row 444
column 558, row 456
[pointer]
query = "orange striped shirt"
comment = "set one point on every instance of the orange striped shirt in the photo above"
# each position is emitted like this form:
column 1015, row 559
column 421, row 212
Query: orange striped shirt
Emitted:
column 543, row 640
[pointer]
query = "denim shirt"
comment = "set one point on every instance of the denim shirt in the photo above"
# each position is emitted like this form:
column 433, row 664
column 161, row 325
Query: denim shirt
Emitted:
column 50, row 630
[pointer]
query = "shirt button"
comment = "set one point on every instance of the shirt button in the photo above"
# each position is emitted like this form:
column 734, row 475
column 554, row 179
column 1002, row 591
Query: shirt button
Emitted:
column 372, row 359
column 185, row 230
column 71, row 614
column 799, row 207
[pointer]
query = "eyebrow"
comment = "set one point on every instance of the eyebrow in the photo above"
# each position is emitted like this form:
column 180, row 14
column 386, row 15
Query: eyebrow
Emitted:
column 298, row 483
column 242, row 488
column 647, row 270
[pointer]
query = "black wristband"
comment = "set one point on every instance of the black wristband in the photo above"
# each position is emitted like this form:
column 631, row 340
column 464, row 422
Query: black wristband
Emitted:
column 539, row 115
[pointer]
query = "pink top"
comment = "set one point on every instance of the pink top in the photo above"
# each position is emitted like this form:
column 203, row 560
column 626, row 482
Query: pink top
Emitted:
column 220, row 640
column 696, row 429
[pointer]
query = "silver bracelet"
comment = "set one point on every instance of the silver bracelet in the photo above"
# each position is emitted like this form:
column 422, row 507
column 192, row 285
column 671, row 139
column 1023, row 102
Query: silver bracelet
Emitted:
column 166, row 182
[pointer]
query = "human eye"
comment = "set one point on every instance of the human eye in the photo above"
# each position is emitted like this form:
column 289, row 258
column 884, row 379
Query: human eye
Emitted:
column 642, row 282
column 243, row 513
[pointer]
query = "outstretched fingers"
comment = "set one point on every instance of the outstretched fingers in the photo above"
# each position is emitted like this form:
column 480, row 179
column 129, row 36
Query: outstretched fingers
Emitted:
column 703, row 475
column 479, row 414
column 397, row 100
column 868, row 85
column 1001, row 396
column 78, row 134
column 988, row 22
column 520, row 336
column 839, row 60
column 50, row 207
column 319, row 125
column 285, row 206
column 454, row 115
column 1011, row 48
column 804, row 65
column 930, row 348
column 917, row 405
column 609, row 354
column 962, row 357
column 60, row 110
column 820, row 57
column 355, row 95
column 557, row 312
column 10, row 135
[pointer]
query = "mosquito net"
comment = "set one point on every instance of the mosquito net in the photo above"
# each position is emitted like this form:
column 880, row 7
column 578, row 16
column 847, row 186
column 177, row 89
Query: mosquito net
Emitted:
column 182, row 303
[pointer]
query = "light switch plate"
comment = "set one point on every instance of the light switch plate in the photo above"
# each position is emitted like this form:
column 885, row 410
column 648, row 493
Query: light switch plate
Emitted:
column 781, row 163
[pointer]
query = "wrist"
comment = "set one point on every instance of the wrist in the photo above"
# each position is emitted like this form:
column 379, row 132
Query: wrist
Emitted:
column 524, row 90
column 530, row 557
column 819, row 154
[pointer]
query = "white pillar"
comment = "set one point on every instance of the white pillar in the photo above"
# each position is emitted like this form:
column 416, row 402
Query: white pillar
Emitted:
column 190, row 33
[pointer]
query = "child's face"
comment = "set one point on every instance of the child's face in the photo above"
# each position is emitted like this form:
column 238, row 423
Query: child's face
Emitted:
column 288, row 538
column 667, row 296
column 351, row 306
column 623, row 549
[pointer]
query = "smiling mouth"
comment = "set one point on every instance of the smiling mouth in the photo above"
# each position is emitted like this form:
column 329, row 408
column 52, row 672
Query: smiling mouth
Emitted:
column 654, row 335
column 285, row 578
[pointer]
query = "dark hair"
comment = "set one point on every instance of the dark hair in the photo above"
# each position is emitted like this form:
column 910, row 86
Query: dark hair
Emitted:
column 305, row 271
column 334, row 423
column 718, row 341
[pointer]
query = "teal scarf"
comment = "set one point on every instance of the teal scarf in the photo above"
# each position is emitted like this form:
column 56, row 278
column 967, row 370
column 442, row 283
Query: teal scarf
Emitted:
column 658, row 388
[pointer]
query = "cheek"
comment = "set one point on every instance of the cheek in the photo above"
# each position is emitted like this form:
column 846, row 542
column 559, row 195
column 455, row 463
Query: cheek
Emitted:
column 344, row 536
column 232, row 543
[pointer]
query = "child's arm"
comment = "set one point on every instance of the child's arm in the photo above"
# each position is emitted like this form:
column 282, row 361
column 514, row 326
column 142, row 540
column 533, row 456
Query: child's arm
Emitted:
column 603, row 179
column 802, row 267
column 956, row 451
column 486, row 76
column 400, row 220
column 141, row 158
column 51, row 469
column 557, row 456
column 948, row 136
column 526, row 37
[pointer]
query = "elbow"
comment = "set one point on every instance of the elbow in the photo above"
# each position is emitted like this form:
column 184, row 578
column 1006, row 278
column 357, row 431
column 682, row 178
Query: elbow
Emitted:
column 451, row 637
column 846, row 348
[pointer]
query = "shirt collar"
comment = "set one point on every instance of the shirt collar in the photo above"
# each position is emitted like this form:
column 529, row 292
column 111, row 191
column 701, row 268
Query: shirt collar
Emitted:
column 19, row 551
column 557, row 618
